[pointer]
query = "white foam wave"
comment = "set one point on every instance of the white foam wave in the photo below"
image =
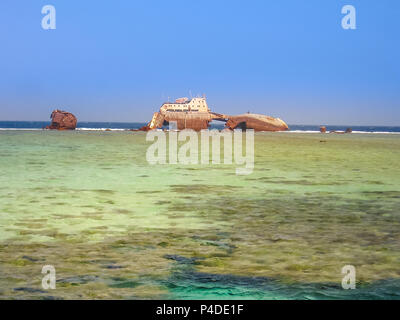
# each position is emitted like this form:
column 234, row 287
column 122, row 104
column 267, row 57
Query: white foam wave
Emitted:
column 20, row 129
column 369, row 132
column 99, row 129
column 119, row 129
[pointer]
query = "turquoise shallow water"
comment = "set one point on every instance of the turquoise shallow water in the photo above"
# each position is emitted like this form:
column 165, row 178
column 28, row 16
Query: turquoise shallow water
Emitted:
column 116, row 227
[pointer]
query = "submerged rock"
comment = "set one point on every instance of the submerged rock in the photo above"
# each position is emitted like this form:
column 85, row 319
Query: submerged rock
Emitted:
column 181, row 259
column 62, row 120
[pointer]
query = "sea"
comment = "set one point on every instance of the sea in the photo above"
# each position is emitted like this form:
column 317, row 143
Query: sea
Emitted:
column 118, row 126
column 114, row 226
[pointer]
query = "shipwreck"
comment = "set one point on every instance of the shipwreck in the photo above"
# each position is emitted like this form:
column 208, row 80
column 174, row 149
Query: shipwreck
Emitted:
column 62, row 120
column 195, row 114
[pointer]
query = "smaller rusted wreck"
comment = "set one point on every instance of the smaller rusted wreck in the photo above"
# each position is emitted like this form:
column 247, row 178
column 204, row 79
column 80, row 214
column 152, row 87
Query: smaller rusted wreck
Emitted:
column 194, row 114
column 62, row 120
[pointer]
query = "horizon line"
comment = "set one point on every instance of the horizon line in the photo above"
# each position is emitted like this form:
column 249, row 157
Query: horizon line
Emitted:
column 289, row 124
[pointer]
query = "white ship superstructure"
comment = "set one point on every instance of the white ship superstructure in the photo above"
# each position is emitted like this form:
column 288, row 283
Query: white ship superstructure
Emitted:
column 185, row 105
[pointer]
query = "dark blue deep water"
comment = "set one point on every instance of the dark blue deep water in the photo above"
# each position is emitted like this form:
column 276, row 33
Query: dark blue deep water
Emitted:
column 137, row 125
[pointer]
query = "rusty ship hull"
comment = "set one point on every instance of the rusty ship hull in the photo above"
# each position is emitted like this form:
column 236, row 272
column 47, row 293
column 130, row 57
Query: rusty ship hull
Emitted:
column 194, row 114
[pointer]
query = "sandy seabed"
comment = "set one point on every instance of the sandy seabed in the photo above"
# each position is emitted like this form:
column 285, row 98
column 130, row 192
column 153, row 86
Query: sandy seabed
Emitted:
column 115, row 227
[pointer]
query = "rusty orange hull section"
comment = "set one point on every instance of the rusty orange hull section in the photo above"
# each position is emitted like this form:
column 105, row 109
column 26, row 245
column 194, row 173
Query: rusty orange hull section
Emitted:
column 257, row 122
column 62, row 120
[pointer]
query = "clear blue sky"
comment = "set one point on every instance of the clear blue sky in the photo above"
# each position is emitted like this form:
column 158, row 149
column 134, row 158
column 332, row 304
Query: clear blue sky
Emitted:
column 119, row 60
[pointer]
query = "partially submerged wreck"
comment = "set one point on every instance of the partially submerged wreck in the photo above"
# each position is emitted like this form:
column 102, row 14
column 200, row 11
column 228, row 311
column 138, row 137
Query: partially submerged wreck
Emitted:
column 62, row 120
column 188, row 114
column 194, row 114
column 258, row 122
